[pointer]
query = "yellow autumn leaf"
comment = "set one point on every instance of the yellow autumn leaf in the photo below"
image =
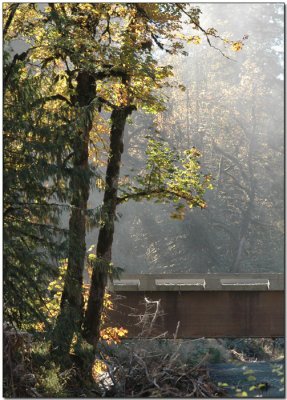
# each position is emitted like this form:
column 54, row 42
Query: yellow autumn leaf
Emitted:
column 237, row 46
column 194, row 39
column 98, row 368
column 244, row 394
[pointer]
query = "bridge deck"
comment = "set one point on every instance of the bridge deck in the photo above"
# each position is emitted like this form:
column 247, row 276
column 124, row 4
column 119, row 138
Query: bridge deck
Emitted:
column 212, row 305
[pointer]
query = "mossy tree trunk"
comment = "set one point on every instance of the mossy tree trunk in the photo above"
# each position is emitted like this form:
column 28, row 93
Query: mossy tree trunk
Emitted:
column 71, row 313
column 99, row 278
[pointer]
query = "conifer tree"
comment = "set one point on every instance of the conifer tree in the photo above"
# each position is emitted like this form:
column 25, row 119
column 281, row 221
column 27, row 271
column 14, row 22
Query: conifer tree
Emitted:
column 33, row 146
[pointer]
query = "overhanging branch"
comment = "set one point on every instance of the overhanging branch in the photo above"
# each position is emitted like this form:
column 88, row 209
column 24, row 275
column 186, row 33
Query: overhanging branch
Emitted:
column 206, row 34
column 154, row 192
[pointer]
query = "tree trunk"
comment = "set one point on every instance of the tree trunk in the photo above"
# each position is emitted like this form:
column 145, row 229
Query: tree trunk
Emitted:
column 247, row 215
column 71, row 314
column 99, row 278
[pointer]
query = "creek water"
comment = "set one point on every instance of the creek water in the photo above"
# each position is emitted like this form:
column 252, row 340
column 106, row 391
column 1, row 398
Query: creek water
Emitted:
column 264, row 378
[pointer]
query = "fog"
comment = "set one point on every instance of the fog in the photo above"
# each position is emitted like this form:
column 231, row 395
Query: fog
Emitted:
column 232, row 111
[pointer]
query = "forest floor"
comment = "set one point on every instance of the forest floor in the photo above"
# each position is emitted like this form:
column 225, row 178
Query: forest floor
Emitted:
column 228, row 368
column 157, row 368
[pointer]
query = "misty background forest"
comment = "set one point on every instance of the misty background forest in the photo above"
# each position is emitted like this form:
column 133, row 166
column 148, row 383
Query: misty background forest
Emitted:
column 231, row 111
column 142, row 138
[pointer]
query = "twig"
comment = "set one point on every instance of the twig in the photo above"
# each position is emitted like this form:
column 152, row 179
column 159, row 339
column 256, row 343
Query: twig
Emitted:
column 176, row 331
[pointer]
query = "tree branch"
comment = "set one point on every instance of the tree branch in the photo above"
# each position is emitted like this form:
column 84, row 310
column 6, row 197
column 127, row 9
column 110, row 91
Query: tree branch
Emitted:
column 146, row 193
column 111, row 71
column 159, row 44
column 13, row 9
column 245, row 190
column 52, row 98
column 231, row 158
column 17, row 57
column 204, row 32
column 143, row 13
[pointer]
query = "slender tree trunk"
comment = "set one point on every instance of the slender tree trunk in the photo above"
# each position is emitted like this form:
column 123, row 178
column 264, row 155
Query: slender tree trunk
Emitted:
column 247, row 215
column 106, row 234
column 71, row 314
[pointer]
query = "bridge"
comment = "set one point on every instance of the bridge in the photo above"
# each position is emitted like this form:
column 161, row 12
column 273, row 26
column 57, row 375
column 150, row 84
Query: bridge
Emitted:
column 200, row 305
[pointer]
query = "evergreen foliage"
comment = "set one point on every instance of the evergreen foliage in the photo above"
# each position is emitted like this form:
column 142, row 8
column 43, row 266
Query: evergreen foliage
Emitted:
column 33, row 183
